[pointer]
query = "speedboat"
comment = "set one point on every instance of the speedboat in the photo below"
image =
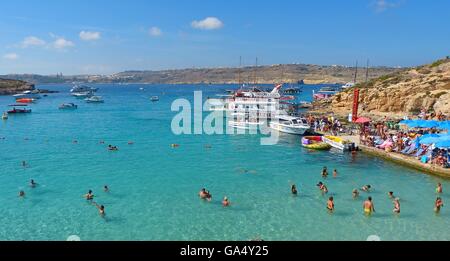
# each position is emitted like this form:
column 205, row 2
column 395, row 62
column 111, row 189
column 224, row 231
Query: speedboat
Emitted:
column 25, row 100
column 27, row 94
column 154, row 98
column 315, row 143
column 66, row 106
column 82, row 89
column 5, row 116
column 18, row 110
column 83, row 94
column 94, row 99
column 289, row 124
column 338, row 143
column 304, row 104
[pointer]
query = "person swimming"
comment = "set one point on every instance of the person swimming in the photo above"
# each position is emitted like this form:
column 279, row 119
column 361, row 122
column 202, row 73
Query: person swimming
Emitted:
column 75, row 141
column 204, row 194
column 113, row 148
column 355, row 193
column 396, row 209
column 105, row 188
column 368, row 206
column 102, row 142
column 324, row 172
column 208, row 146
column 174, row 145
column 391, row 194
column 225, row 202
column 130, row 142
column 21, row 194
column 438, row 204
column 294, row 189
column 330, row 204
column 439, row 188
column 335, row 173
column 24, row 164
column 322, row 187
column 89, row 195
column 32, row 183
column 366, row 188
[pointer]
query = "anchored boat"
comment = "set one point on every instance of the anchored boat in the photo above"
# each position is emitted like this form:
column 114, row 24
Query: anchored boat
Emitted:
column 315, row 143
column 94, row 99
column 18, row 110
column 289, row 124
column 338, row 143
column 68, row 106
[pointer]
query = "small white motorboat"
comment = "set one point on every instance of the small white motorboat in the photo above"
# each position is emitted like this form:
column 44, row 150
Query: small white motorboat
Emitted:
column 154, row 98
column 82, row 94
column 68, row 106
column 94, row 99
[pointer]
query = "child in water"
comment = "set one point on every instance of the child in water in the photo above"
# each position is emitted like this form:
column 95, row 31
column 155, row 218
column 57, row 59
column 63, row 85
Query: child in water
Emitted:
column 225, row 202
column 355, row 193
column 330, row 204
column 294, row 189
column 396, row 209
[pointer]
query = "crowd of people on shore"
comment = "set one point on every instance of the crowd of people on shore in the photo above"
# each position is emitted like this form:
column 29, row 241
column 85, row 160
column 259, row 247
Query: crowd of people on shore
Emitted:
column 325, row 124
column 391, row 137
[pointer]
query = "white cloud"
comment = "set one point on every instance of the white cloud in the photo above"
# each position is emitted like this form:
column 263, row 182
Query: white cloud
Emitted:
column 209, row 23
column 11, row 56
column 383, row 5
column 155, row 31
column 32, row 41
column 62, row 43
column 89, row 36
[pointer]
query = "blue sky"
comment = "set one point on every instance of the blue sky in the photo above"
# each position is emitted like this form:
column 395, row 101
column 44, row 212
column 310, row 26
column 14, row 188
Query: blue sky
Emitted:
column 98, row 36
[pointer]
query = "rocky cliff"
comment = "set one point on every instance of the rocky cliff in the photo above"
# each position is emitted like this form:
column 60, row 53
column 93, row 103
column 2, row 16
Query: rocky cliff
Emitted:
column 8, row 87
column 398, row 94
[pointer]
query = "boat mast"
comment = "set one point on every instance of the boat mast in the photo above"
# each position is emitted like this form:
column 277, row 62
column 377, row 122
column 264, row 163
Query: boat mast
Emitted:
column 367, row 70
column 356, row 71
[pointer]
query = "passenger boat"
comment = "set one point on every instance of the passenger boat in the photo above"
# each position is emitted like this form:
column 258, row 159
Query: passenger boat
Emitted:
column 338, row 143
column 25, row 100
column 315, row 143
column 94, row 99
column 18, row 110
column 154, row 98
column 68, row 106
column 289, row 124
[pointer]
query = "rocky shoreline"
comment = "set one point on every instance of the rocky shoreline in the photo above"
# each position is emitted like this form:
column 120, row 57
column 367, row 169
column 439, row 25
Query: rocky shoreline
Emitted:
column 395, row 95
column 9, row 87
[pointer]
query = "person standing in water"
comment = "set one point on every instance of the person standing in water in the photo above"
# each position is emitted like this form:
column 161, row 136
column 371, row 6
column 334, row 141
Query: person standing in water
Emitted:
column 324, row 172
column 366, row 188
column 368, row 206
column 105, row 188
column 101, row 209
column 438, row 204
column 439, row 188
column 21, row 194
column 330, row 204
column 24, row 164
column 89, row 195
column 396, row 209
column 294, row 190
column 225, row 202
column 391, row 195
column 355, row 193
column 32, row 183
column 335, row 173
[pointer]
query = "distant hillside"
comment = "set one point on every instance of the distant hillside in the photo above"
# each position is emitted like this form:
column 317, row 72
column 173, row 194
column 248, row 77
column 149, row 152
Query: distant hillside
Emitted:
column 400, row 93
column 8, row 87
column 262, row 74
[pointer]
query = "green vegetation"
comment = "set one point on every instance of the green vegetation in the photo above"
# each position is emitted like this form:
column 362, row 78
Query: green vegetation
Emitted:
column 438, row 62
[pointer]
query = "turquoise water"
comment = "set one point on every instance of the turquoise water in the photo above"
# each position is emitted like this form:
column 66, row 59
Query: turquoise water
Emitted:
column 154, row 187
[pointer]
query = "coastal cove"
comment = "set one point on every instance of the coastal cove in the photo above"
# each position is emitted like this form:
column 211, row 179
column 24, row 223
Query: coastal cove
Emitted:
column 154, row 186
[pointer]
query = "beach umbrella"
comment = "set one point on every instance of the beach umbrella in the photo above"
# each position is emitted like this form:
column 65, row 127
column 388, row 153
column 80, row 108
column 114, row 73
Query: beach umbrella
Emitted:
column 429, row 124
column 362, row 120
column 445, row 125
column 443, row 144
column 405, row 122
column 415, row 123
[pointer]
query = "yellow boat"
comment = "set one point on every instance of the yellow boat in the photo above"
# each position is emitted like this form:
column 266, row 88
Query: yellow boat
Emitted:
column 338, row 143
column 315, row 143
